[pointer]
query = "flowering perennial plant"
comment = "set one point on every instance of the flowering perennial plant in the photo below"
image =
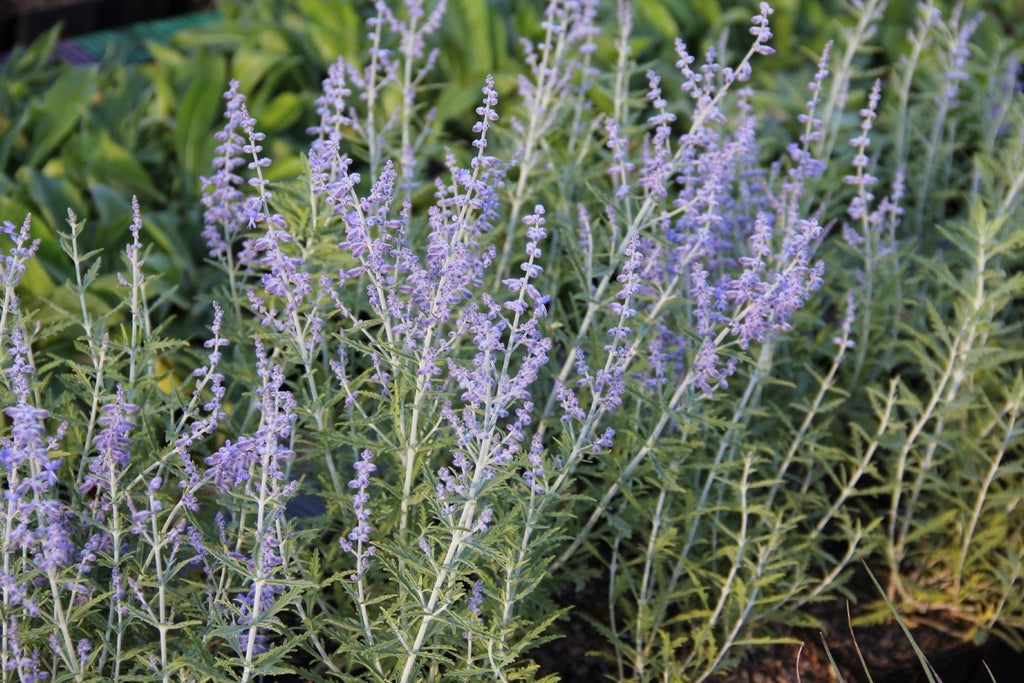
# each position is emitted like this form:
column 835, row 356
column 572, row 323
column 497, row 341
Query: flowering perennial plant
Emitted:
column 613, row 338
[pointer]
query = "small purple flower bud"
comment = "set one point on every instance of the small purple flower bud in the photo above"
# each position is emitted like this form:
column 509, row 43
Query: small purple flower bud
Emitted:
column 476, row 598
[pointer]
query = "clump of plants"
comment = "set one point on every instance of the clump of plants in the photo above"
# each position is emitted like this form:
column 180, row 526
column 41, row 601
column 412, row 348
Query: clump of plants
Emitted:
column 615, row 337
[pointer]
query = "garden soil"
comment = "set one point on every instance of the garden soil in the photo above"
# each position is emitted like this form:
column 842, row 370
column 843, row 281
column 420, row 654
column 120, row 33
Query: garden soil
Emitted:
column 581, row 654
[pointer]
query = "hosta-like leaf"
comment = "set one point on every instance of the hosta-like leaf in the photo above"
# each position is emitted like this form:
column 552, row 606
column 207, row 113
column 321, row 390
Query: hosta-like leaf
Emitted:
column 197, row 116
column 62, row 107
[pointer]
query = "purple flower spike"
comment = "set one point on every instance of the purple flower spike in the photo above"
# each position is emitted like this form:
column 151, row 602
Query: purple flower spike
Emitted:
column 12, row 264
column 761, row 31
column 476, row 598
column 37, row 524
column 117, row 426
column 486, row 113
column 112, row 456
column 236, row 464
column 221, row 194
column 360, row 533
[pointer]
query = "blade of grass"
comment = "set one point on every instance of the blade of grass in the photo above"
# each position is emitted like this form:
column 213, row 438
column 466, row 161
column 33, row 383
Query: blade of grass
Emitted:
column 856, row 645
column 932, row 676
column 831, row 659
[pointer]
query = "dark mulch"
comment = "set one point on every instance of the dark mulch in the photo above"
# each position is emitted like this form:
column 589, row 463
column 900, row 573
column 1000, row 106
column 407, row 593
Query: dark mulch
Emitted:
column 888, row 655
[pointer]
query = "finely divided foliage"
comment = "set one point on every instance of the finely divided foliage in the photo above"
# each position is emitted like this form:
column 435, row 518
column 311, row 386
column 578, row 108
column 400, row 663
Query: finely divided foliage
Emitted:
column 611, row 339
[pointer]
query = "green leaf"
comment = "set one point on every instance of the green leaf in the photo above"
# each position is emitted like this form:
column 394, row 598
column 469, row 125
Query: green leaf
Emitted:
column 37, row 55
column 280, row 112
column 196, row 117
column 49, row 251
column 109, row 163
column 126, row 96
column 179, row 258
column 658, row 14
column 273, row 38
column 12, row 210
column 220, row 34
column 835, row 667
column 12, row 134
column 456, row 100
column 165, row 56
column 250, row 65
column 287, row 164
column 476, row 33
column 62, row 107
column 333, row 28
column 36, row 281
column 52, row 196
column 112, row 209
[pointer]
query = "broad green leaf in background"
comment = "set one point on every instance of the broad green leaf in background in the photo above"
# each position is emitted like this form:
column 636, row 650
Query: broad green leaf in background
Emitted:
column 280, row 112
column 455, row 98
column 172, row 255
column 286, row 163
column 12, row 136
column 295, row 30
column 285, row 75
column 109, row 230
column 112, row 209
column 787, row 13
column 53, row 197
column 63, row 105
column 166, row 56
column 197, row 116
column 122, row 108
column 334, row 28
column 13, row 210
column 251, row 64
column 474, row 28
column 160, row 73
column 657, row 14
column 226, row 36
column 28, row 62
column 273, row 39
column 104, row 160
column 36, row 281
